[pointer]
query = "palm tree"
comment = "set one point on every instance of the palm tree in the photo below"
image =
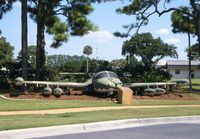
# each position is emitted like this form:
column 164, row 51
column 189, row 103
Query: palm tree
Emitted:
column 87, row 51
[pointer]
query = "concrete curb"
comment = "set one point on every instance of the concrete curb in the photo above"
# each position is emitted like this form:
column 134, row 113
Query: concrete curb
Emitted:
column 7, row 98
column 91, row 127
column 3, row 97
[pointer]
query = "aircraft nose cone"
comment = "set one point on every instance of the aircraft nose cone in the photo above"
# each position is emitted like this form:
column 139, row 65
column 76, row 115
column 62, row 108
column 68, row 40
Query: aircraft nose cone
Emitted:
column 111, row 84
column 119, row 85
column 114, row 85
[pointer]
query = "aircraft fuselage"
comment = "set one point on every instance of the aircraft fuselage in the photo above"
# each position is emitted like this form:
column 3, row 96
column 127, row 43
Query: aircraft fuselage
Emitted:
column 106, row 81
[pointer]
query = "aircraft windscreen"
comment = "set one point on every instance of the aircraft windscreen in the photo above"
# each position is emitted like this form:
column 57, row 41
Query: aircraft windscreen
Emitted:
column 113, row 75
column 101, row 75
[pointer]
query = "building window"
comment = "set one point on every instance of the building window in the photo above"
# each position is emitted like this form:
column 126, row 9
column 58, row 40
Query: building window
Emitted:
column 177, row 71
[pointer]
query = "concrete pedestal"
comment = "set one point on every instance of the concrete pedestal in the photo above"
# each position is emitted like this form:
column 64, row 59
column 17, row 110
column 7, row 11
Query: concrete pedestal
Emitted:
column 125, row 96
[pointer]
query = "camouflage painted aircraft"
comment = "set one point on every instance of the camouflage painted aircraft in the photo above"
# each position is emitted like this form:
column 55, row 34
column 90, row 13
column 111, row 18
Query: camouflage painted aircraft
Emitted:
column 101, row 82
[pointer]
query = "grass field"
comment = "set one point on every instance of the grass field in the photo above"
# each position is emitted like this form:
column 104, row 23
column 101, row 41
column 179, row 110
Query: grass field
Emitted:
column 28, row 121
column 195, row 81
column 195, row 86
column 19, row 105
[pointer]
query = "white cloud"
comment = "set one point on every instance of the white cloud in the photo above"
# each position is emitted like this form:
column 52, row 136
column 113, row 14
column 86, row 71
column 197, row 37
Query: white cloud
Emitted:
column 163, row 31
column 100, row 36
column 174, row 41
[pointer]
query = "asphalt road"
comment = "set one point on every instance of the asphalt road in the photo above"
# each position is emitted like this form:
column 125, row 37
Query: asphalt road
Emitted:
column 167, row 131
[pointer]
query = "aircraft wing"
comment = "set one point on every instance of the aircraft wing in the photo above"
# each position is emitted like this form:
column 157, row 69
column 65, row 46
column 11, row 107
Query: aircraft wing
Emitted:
column 66, row 84
column 19, row 81
column 154, row 84
column 77, row 73
column 181, row 81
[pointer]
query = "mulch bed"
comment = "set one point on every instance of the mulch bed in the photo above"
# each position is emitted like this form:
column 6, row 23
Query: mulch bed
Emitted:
column 78, row 95
column 177, row 96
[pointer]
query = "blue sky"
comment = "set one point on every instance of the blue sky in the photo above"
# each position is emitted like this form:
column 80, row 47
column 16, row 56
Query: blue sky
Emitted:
column 104, row 44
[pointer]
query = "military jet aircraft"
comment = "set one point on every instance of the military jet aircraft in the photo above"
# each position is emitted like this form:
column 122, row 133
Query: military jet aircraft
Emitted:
column 101, row 82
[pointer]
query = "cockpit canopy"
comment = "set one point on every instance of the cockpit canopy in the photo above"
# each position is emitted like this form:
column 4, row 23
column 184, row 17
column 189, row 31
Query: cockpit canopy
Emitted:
column 106, row 74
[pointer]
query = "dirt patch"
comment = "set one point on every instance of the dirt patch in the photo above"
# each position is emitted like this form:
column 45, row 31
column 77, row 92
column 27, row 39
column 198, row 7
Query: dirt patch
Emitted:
column 78, row 95
column 75, row 95
column 177, row 96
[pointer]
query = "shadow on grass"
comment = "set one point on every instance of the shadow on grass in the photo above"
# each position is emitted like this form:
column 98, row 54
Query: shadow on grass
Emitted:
column 194, row 90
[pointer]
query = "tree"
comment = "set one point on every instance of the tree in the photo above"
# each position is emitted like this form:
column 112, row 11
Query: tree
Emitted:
column 60, row 60
column 32, row 55
column 65, row 63
column 149, row 49
column 6, row 51
column 5, row 6
column 120, row 66
column 194, row 52
column 31, row 58
column 87, row 51
column 182, row 23
column 99, row 65
column 47, row 13
column 24, row 43
column 144, row 9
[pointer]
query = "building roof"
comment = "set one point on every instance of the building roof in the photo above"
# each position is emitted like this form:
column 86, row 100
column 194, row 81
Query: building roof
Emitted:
column 182, row 63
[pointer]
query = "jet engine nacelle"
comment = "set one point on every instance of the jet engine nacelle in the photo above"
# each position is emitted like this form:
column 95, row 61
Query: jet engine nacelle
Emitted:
column 19, row 81
column 58, row 92
column 47, row 91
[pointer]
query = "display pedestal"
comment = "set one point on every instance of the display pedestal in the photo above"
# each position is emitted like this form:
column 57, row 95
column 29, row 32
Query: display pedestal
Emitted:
column 125, row 96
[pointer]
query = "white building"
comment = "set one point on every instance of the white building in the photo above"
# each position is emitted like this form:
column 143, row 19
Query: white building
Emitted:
column 179, row 69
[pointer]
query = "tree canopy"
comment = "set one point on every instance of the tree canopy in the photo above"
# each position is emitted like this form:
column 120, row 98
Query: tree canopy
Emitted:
column 149, row 49
column 144, row 9
column 6, row 51
column 87, row 50
column 47, row 14
column 31, row 55
column 5, row 6
column 194, row 52
column 74, row 13
column 182, row 23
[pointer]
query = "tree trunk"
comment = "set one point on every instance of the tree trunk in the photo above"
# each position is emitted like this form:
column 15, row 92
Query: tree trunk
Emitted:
column 87, row 68
column 189, row 57
column 40, row 50
column 198, row 31
column 24, row 43
column 196, row 13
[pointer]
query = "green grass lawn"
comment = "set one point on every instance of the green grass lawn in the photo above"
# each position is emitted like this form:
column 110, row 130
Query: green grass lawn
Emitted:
column 143, row 102
column 195, row 86
column 195, row 81
column 28, row 121
column 18, row 105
